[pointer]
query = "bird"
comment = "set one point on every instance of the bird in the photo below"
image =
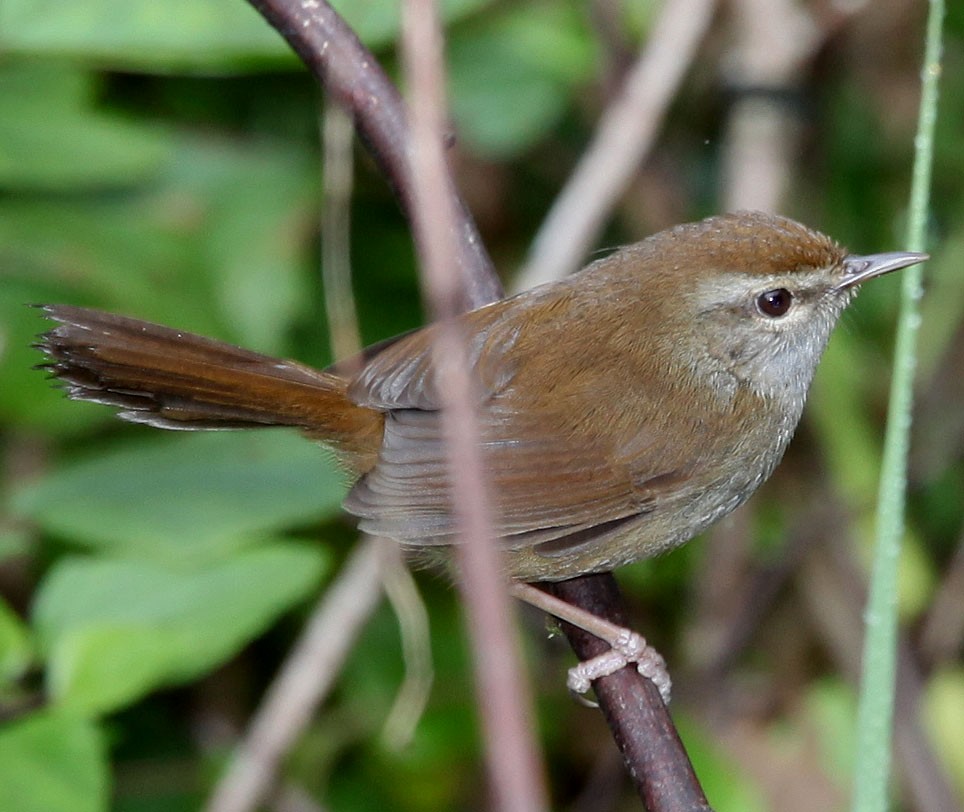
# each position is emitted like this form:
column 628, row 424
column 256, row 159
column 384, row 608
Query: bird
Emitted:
column 621, row 410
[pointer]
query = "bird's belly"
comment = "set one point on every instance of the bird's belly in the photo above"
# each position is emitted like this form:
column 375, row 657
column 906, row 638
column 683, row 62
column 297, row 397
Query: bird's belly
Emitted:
column 669, row 524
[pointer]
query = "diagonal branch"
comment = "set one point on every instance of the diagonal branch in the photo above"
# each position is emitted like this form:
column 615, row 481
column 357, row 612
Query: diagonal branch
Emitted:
column 303, row 682
column 339, row 61
column 640, row 723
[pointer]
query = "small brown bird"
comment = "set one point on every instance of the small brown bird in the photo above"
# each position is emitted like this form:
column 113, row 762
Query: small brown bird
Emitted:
column 622, row 410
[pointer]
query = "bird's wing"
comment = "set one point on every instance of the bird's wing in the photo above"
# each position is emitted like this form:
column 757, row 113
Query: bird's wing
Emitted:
column 553, row 467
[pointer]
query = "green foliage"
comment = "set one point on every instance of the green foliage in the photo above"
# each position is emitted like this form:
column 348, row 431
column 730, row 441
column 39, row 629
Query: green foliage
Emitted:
column 53, row 137
column 15, row 646
column 512, row 75
column 161, row 160
column 183, row 35
column 180, row 35
column 227, row 492
column 52, row 761
column 113, row 630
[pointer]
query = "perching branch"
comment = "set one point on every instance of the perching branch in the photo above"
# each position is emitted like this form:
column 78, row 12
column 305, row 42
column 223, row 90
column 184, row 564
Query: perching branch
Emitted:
column 640, row 723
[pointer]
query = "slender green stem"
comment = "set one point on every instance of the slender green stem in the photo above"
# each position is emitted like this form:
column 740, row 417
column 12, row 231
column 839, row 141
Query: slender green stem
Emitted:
column 875, row 712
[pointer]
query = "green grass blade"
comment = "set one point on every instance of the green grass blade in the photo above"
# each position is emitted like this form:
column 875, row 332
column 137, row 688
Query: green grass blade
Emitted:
column 875, row 711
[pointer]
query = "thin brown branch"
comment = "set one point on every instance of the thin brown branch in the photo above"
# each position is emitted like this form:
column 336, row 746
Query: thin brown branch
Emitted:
column 334, row 54
column 338, row 135
column 640, row 722
column 625, row 134
column 515, row 770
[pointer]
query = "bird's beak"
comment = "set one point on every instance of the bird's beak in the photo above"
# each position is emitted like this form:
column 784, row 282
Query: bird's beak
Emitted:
column 860, row 269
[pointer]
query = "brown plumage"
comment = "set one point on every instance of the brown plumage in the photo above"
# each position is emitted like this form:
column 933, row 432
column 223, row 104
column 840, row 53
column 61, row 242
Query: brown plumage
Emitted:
column 621, row 410
column 175, row 380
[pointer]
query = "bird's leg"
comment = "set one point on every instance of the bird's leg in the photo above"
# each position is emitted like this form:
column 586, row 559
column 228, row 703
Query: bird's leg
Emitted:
column 626, row 646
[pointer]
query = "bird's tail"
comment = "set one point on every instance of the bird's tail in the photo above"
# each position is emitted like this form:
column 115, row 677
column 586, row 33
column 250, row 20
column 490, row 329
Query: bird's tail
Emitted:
column 176, row 380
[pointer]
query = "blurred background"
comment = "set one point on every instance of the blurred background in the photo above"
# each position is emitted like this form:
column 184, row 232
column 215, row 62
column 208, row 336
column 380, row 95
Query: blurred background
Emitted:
column 166, row 162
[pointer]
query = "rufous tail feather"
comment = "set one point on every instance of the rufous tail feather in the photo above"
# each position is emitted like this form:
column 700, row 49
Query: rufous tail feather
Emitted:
column 176, row 380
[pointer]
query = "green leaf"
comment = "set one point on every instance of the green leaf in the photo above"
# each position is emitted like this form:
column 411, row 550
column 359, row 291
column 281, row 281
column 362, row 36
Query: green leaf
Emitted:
column 51, row 138
column 261, row 217
column 180, row 34
column 215, row 245
column 114, row 630
column 15, row 650
column 218, row 243
column 186, row 498
column 512, row 76
column 52, row 762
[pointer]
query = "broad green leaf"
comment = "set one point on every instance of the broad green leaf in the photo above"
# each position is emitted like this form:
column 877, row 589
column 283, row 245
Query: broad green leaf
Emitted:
column 180, row 34
column 183, row 498
column 216, row 245
column 177, row 34
column 52, row 762
column 114, row 630
column 52, row 138
column 154, row 251
column 125, row 248
column 260, row 218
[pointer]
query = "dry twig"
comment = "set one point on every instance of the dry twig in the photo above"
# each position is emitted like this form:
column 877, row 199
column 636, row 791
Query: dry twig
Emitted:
column 503, row 697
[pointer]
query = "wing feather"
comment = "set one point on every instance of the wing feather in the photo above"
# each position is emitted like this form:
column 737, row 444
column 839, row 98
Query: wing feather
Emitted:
column 554, row 472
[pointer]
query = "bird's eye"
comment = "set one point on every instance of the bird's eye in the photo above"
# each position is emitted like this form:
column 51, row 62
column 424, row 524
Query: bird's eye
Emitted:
column 774, row 303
